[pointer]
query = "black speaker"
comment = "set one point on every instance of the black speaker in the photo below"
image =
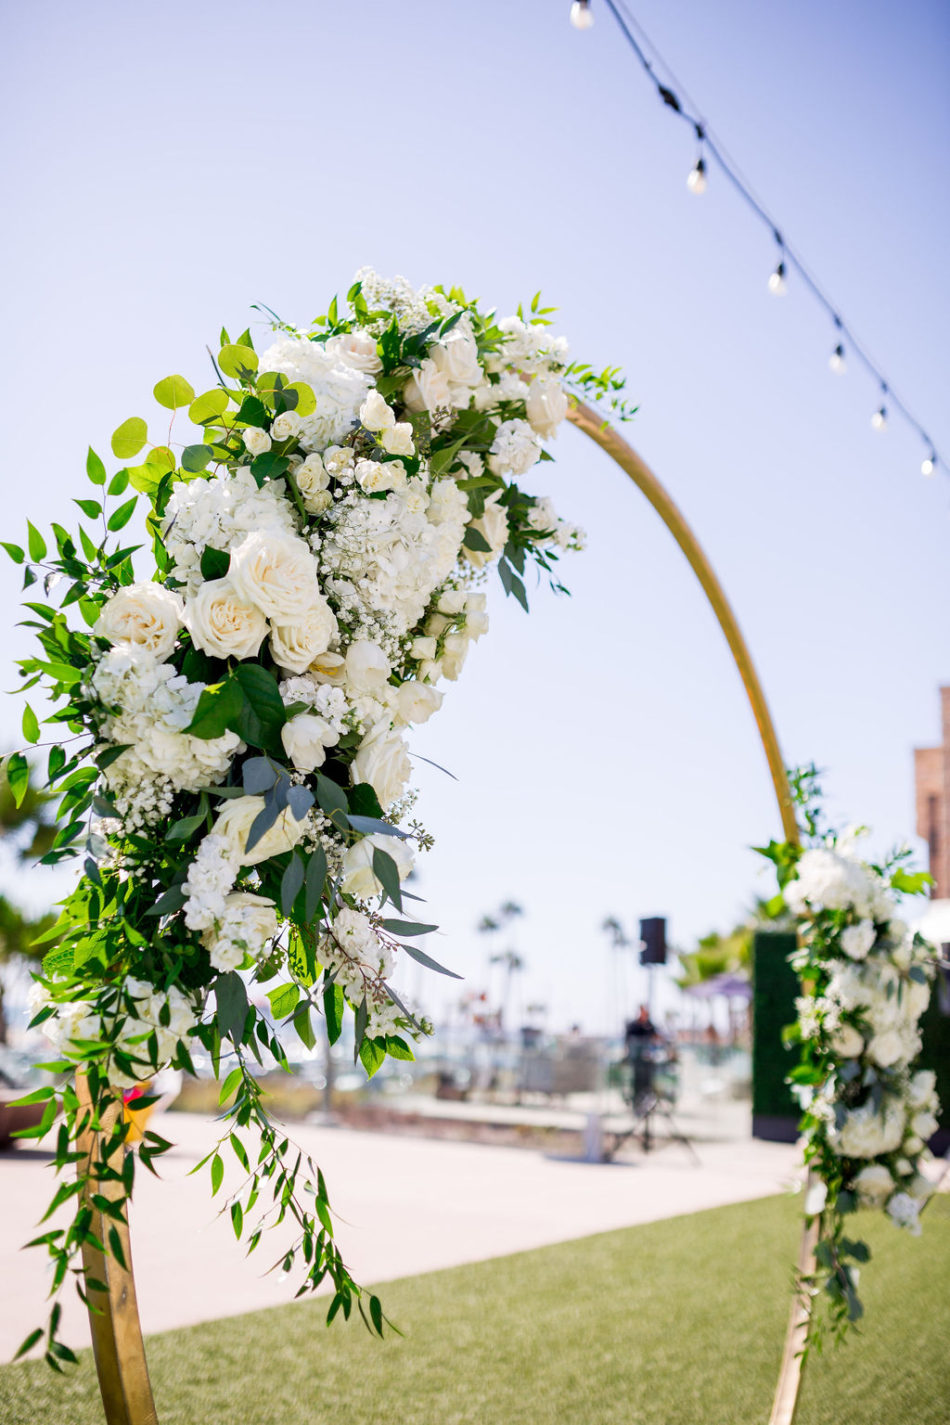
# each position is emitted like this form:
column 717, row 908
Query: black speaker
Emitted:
column 653, row 940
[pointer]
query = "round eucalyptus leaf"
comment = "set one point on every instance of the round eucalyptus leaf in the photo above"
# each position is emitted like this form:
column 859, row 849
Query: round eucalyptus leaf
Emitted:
column 174, row 391
column 234, row 359
column 129, row 437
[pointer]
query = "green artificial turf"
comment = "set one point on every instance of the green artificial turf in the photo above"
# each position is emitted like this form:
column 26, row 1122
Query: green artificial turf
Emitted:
column 675, row 1323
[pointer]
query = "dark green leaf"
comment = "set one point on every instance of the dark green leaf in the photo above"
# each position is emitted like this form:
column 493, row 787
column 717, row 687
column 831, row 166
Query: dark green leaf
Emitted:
column 474, row 539
column 218, row 708
column 231, row 999
column 387, row 873
column 261, row 714
column 314, row 879
column 168, row 903
column 372, row 824
column 303, row 1026
column 333, row 1006
column 330, row 796
column 408, row 927
column 291, row 883
column 120, row 517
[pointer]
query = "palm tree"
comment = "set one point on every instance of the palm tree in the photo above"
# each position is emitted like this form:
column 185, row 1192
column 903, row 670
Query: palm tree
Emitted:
column 491, row 924
column 513, row 964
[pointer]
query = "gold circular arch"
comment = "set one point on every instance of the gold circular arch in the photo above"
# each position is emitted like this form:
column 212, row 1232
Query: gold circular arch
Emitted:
column 114, row 1320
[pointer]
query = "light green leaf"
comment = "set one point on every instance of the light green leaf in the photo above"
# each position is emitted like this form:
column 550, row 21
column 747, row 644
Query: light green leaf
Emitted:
column 234, row 360
column 208, row 406
column 173, row 392
column 128, row 438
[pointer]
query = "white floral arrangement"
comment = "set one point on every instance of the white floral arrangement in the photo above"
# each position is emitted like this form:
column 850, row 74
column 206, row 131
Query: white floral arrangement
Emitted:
column 868, row 1109
column 237, row 775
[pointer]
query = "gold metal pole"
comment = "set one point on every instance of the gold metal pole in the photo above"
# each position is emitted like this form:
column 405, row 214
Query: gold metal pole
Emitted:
column 609, row 440
column 113, row 1314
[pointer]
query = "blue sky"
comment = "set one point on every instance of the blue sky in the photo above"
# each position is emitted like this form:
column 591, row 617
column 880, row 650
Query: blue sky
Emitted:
column 166, row 168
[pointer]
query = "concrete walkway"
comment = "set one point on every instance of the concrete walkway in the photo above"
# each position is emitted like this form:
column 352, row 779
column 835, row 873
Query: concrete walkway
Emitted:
column 403, row 1205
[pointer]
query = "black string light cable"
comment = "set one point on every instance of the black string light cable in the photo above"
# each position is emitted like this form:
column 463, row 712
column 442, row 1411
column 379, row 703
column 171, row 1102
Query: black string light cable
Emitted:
column 787, row 258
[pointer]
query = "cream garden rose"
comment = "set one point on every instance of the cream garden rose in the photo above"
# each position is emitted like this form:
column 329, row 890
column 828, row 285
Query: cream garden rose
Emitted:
column 416, row 702
column 256, row 441
column 145, row 617
column 546, row 404
column 493, row 527
column 357, row 875
column 427, row 388
column 222, row 624
column 234, row 823
column 277, row 573
column 296, row 644
column 382, row 760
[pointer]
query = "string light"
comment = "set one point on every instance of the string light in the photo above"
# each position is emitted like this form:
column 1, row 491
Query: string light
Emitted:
column 582, row 18
column 696, row 182
column 778, row 285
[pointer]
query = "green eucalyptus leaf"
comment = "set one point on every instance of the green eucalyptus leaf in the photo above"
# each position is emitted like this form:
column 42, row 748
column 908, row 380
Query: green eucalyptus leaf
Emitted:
column 128, row 438
column 237, row 361
column 173, row 392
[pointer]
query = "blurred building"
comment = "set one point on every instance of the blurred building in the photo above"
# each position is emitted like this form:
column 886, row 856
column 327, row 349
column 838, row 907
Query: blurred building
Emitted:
column 932, row 779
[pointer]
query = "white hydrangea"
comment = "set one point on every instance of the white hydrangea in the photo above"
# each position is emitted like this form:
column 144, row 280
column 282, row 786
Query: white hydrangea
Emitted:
column 338, row 386
column 866, row 1132
column 208, row 883
column 515, row 449
column 826, row 880
column 217, row 513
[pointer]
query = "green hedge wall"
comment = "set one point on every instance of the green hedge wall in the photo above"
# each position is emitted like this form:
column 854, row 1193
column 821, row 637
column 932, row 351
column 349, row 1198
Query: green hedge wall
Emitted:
column 775, row 987
column 935, row 1026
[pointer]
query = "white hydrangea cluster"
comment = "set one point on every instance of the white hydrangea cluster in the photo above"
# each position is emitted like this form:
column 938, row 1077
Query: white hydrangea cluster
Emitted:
column 863, row 1014
column 128, row 1021
column 148, row 705
column 337, row 380
column 216, row 513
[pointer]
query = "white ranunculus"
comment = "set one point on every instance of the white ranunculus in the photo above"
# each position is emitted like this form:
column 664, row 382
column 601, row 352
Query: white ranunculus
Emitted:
column 423, row 646
column 222, row 624
column 427, row 389
column 375, row 414
column 277, row 572
column 286, row 426
column 367, row 667
column 235, row 820
column 312, row 480
column 546, row 405
column 493, row 527
column 416, row 702
column 358, row 877
column 256, row 441
column 145, row 617
column 397, row 439
column 306, row 738
column 296, row 644
column 329, row 668
column 356, row 350
column 857, row 940
column 382, row 760
column 874, row 1185
column 454, row 653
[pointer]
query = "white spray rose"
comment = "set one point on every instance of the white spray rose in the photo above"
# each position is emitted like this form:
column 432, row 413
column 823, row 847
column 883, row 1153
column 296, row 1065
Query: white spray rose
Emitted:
column 424, row 646
column 874, row 1185
column 416, row 702
column 256, row 441
column 454, row 653
column 359, row 878
column 234, row 823
column 145, row 617
column 367, row 667
column 427, row 389
column 306, row 738
column 493, row 527
column 397, row 439
column 222, row 624
column 382, row 760
column 296, row 644
column 451, row 601
column 546, row 405
column 277, row 572
column 312, row 481
column 286, row 426
column 375, row 414
column 374, row 475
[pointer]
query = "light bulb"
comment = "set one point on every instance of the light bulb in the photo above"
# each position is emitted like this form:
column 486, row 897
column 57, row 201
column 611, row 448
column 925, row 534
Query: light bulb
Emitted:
column 777, row 284
column 929, row 465
column 582, row 16
column 879, row 419
column 696, row 182
column 837, row 362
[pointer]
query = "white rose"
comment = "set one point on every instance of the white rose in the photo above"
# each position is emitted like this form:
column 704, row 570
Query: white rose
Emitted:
column 277, row 572
column 416, row 702
column 337, row 459
column 546, row 405
column 312, row 479
column 847, row 1041
column 146, row 617
column 286, row 426
column 423, row 646
column 256, row 441
column 874, row 1185
column 358, row 877
column 367, row 667
column 456, row 355
column 357, row 350
column 493, row 527
column 454, row 654
column 451, row 601
column 222, row 624
column 430, row 670
column 375, row 414
column 374, row 475
column 235, row 820
column 382, row 760
column 306, row 738
column 886, row 1049
column 427, row 389
column 397, row 439
column 857, row 940
column 295, row 645
column 922, row 1087
column 924, row 1125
